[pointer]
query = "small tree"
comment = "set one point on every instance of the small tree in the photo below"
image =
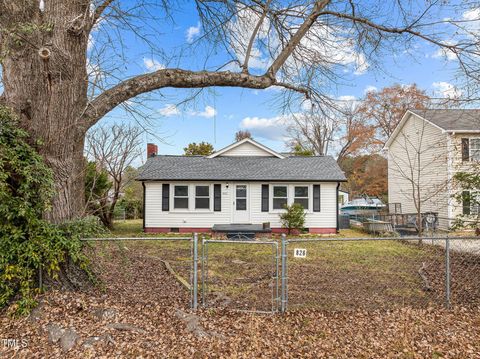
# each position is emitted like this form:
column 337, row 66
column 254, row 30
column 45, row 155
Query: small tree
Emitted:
column 114, row 149
column 241, row 135
column 385, row 108
column 97, row 187
column 198, row 149
column 293, row 218
column 298, row 150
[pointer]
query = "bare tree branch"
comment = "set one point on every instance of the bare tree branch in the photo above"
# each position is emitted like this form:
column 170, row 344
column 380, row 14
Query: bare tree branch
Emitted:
column 295, row 39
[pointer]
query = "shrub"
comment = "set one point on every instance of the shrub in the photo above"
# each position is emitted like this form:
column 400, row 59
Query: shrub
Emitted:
column 293, row 218
column 27, row 241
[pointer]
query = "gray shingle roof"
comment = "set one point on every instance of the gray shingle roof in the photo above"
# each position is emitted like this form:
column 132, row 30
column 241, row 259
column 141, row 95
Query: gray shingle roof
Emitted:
column 452, row 119
column 318, row 168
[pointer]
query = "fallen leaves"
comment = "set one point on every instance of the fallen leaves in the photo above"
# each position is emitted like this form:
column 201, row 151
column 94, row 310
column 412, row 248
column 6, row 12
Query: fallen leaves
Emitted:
column 139, row 293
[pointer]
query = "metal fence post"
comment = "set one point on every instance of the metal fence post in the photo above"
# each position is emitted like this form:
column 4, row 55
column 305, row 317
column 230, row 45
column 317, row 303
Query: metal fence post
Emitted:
column 447, row 273
column 203, row 270
column 195, row 271
column 284, row 295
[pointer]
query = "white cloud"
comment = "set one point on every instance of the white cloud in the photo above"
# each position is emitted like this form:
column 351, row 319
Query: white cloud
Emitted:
column 445, row 89
column 330, row 45
column 370, row 88
column 473, row 20
column 445, row 53
column 209, row 112
column 153, row 65
column 169, row 110
column 192, row 32
column 274, row 128
column 361, row 64
column 347, row 98
column 306, row 105
column 241, row 30
column 323, row 44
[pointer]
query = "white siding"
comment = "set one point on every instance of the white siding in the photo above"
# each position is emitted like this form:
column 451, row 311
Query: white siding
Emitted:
column 458, row 165
column 246, row 149
column 155, row 217
column 419, row 139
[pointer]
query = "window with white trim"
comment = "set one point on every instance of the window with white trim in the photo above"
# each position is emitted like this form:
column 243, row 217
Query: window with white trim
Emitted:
column 280, row 197
column 471, row 202
column 474, row 149
column 180, row 197
column 301, row 196
column 474, row 203
column 202, row 197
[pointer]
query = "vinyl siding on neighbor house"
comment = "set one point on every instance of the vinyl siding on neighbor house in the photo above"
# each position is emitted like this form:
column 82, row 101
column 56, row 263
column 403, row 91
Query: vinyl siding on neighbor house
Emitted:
column 194, row 218
column 458, row 165
column 419, row 135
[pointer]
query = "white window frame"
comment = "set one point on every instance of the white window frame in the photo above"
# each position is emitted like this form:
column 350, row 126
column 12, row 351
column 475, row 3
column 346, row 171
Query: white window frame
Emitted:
column 272, row 191
column 291, row 195
column 187, row 197
column 194, row 192
column 191, row 198
column 477, row 150
column 307, row 198
column 474, row 210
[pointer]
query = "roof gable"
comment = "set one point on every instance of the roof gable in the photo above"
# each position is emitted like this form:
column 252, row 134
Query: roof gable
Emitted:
column 452, row 120
column 402, row 123
column 243, row 168
column 246, row 148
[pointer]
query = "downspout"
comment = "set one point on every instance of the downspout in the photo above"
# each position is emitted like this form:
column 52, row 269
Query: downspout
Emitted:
column 338, row 209
column 144, row 214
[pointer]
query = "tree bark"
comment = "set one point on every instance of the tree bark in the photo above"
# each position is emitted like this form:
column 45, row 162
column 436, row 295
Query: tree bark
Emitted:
column 45, row 83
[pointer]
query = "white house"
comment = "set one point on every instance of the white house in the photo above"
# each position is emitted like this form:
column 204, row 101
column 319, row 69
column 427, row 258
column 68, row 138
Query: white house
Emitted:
column 425, row 151
column 244, row 183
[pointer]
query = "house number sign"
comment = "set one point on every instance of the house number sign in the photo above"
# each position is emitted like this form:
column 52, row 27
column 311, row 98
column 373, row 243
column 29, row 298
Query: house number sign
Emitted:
column 300, row 253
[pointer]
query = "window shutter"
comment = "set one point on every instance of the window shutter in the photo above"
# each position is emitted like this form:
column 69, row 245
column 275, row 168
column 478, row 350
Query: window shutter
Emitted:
column 265, row 199
column 165, row 197
column 316, row 198
column 217, row 197
column 466, row 202
column 465, row 149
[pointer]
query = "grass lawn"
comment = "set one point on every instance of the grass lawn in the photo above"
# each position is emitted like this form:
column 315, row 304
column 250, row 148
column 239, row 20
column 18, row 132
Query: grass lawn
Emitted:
column 334, row 275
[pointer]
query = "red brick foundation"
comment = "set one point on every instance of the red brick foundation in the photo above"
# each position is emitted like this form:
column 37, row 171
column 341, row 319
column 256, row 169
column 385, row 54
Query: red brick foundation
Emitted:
column 207, row 230
column 180, row 230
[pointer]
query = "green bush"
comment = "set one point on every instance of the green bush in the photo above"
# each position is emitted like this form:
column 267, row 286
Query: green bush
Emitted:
column 27, row 241
column 293, row 218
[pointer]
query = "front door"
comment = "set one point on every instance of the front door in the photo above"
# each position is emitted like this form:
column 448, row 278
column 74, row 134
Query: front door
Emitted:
column 241, row 205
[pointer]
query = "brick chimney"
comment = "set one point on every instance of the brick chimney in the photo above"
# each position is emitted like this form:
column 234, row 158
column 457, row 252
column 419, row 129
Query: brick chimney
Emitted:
column 152, row 150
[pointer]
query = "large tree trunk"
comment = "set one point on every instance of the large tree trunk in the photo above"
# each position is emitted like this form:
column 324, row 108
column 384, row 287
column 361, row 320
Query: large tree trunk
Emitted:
column 45, row 83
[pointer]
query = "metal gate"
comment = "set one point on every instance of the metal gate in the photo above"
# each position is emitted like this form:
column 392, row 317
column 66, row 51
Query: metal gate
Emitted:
column 249, row 279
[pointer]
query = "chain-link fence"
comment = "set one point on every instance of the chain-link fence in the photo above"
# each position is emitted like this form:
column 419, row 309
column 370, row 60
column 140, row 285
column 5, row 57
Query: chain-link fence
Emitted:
column 383, row 273
column 145, row 270
column 240, row 274
column 272, row 275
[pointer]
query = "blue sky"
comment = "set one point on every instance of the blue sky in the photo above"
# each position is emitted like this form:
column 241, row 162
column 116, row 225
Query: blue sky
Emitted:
column 218, row 113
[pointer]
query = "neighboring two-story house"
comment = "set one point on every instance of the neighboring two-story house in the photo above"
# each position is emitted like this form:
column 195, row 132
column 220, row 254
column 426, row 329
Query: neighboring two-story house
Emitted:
column 424, row 152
